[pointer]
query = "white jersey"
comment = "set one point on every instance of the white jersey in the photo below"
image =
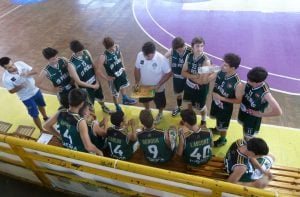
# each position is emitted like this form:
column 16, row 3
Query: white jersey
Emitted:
column 152, row 70
column 11, row 80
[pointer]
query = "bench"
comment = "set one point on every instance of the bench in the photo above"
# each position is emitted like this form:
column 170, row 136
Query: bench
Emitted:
column 286, row 180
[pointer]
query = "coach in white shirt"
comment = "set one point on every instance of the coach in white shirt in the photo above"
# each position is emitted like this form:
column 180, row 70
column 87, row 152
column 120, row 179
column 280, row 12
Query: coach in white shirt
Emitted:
column 152, row 68
column 17, row 78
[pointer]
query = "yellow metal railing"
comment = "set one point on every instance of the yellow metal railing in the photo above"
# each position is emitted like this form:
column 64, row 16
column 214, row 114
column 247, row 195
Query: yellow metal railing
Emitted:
column 88, row 169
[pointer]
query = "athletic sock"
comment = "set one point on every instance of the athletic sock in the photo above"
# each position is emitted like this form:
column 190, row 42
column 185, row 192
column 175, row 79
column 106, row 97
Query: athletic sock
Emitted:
column 124, row 97
column 179, row 102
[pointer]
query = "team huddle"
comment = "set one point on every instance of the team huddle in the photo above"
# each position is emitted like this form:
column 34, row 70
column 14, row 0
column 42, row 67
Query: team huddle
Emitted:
column 76, row 81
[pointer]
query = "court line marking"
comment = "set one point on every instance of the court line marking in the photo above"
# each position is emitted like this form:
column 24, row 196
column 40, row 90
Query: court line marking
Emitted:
column 233, row 120
column 140, row 108
column 10, row 11
column 171, row 35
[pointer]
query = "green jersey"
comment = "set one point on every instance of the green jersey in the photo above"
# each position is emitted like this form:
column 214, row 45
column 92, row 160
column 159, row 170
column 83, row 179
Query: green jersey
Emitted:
column 68, row 128
column 84, row 67
column 99, row 141
column 253, row 97
column 59, row 76
column 225, row 86
column 194, row 64
column 197, row 147
column 152, row 142
column 235, row 158
column 177, row 61
column 113, row 63
column 120, row 147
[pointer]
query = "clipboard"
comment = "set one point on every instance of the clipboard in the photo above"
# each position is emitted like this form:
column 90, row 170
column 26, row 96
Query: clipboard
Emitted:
column 143, row 92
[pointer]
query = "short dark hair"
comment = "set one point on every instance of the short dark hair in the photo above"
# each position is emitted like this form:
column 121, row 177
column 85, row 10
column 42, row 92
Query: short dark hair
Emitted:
column 148, row 48
column 117, row 118
column 177, row 43
column 189, row 116
column 197, row 40
column 146, row 118
column 76, row 46
column 4, row 61
column 76, row 97
column 232, row 60
column 81, row 110
column 49, row 52
column 258, row 146
column 108, row 42
column 257, row 74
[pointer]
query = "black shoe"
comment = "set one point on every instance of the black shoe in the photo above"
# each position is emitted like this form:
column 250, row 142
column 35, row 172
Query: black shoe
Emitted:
column 215, row 131
column 219, row 142
column 105, row 109
column 45, row 119
column 176, row 111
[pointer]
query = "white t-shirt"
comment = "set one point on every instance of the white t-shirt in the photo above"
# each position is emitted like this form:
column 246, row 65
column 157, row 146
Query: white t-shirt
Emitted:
column 152, row 70
column 11, row 80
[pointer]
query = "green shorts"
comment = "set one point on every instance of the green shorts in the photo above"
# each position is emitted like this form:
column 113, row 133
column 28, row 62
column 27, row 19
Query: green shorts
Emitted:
column 222, row 113
column 119, row 83
column 197, row 95
column 251, row 124
column 178, row 85
column 94, row 95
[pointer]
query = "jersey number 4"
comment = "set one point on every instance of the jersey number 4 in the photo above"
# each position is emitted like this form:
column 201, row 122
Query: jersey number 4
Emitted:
column 116, row 150
column 196, row 153
column 68, row 136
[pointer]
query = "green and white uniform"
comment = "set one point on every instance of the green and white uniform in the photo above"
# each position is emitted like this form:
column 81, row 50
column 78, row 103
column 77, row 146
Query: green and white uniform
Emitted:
column 266, row 162
column 99, row 141
column 59, row 76
column 177, row 61
column 153, row 144
column 193, row 92
column 114, row 68
column 197, row 147
column 68, row 128
column 120, row 147
column 235, row 158
column 252, row 99
column 85, row 70
column 222, row 111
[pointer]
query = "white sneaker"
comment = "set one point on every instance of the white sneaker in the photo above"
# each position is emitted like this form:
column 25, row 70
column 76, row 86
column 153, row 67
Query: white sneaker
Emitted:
column 158, row 118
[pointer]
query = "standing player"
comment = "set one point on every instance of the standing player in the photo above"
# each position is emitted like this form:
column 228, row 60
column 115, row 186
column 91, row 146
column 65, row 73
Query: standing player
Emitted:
column 55, row 76
column 177, row 55
column 72, row 127
column 195, row 145
column 257, row 102
column 17, row 78
column 121, row 137
column 113, row 62
column 83, row 72
column 228, row 90
column 197, row 83
column 156, row 144
column 152, row 69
